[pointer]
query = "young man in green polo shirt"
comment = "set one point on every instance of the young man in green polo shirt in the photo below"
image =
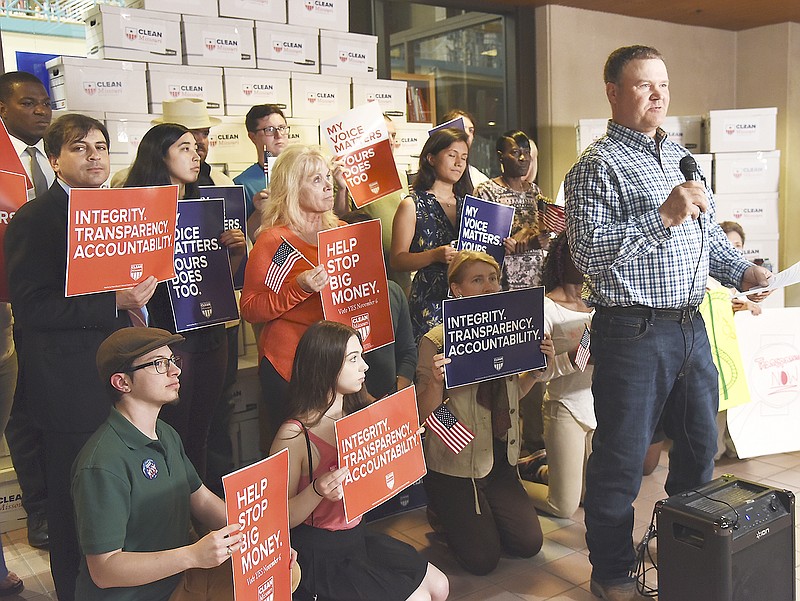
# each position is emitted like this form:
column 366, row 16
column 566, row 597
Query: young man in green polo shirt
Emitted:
column 135, row 490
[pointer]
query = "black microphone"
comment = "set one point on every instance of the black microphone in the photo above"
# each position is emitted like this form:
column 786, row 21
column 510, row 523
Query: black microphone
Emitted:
column 688, row 167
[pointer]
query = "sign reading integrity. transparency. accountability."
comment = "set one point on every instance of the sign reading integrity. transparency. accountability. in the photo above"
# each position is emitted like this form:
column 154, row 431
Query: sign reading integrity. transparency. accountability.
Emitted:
column 493, row 335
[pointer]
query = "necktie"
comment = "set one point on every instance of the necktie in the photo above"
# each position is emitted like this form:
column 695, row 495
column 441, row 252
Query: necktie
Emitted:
column 38, row 176
column 137, row 318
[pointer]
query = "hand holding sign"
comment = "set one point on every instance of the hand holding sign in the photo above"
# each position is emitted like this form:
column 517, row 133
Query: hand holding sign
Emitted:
column 217, row 546
column 445, row 254
column 439, row 361
column 329, row 486
column 138, row 296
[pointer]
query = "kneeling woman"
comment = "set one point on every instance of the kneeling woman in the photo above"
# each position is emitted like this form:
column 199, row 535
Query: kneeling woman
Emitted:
column 339, row 560
column 476, row 495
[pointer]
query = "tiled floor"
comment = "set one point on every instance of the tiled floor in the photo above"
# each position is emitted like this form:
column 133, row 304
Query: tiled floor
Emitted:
column 559, row 572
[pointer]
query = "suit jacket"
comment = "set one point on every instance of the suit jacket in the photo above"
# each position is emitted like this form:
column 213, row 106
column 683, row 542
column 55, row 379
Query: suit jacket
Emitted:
column 56, row 337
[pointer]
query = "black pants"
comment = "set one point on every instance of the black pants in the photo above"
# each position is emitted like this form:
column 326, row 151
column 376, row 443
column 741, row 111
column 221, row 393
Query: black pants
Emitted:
column 507, row 520
column 25, row 443
column 202, row 378
column 60, row 451
column 273, row 407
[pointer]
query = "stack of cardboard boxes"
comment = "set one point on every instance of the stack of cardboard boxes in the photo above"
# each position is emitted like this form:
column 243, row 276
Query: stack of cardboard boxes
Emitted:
column 294, row 53
column 746, row 175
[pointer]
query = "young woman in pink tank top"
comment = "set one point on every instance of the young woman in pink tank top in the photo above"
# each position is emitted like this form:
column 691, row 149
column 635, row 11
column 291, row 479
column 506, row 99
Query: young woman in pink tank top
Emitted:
column 339, row 560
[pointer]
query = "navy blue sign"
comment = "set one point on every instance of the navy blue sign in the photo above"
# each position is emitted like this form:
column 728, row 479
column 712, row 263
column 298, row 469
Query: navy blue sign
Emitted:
column 235, row 218
column 484, row 226
column 493, row 335
column 202, row 291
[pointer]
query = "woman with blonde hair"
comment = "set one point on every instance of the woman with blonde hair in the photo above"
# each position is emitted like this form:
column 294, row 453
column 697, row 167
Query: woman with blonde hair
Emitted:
column 282, row 279
column 476, row 495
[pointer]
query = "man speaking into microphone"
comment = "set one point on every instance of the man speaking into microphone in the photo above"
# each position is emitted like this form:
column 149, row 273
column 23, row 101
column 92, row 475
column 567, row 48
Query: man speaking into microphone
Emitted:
column 647, row 239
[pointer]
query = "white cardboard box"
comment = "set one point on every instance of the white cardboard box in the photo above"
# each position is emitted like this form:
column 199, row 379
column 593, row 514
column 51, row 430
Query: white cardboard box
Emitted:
column 85, row 84
column 743, row 172
column 389, row 94
column 244, row 395
column 320, row 96
column 206, row 8
column 324, row 14
column 348, row 54
column 258, row 10
column 132, row 34
column 287, row 47
column 12, row 515
column 245, row 441
column 756, row 213
column 741, row 130
column 125, row 131
column 245, row 88
column 303, row 131
column 218, row 42
column 589, row 130
column 228, row 143
column 763, row 250
column 411, row 137
column 686, row 131
column 166, row 82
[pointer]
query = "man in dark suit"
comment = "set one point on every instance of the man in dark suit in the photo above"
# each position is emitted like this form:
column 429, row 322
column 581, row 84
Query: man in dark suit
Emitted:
column 57, row 338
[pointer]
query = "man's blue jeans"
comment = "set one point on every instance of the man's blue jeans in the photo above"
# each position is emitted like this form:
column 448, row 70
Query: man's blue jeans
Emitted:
column 643, row 367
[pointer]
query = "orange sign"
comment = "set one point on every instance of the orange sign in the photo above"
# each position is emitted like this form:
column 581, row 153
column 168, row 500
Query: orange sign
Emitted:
column 357, row 294
column 360, row 140
column 9, row 159
column 13, row 194
column 380, row 446
column 118, row 236
column 257, row 497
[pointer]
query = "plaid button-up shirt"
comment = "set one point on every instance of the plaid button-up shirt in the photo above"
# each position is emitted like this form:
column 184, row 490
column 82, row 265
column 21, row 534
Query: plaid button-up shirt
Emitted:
column 615, row 231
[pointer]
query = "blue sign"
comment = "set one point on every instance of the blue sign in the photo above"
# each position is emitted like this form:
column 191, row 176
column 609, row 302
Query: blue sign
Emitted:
column 202, row 291
column 457, row 123
column 484, row 226
column 493, row 335
column 235, row 218
column 33, row 63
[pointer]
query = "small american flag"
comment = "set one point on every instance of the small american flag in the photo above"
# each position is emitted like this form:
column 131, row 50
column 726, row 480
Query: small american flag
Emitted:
column 449, row 429
column 553, row 218
column 583, row 354
column 282, row 262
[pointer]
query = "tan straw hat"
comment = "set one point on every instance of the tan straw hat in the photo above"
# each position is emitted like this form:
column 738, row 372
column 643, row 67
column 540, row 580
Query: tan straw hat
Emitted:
column 189, row 112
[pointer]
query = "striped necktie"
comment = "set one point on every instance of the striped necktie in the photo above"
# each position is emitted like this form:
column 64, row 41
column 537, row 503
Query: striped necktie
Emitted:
column 137, row 318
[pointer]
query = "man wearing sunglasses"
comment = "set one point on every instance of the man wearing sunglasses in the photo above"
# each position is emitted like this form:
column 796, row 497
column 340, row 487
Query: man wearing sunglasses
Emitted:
column 135, row 490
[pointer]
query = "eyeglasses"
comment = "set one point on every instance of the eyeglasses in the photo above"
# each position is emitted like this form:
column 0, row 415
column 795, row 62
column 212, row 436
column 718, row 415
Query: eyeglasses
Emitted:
column 270, row 131
column 161, row 364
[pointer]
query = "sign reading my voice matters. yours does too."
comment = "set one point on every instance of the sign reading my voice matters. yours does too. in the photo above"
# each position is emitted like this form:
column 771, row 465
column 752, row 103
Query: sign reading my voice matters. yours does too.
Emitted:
column 360, row 141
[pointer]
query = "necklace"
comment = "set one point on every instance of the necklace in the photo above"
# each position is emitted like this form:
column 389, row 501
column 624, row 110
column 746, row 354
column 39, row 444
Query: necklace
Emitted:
column 510, row 187
column 451, row 202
